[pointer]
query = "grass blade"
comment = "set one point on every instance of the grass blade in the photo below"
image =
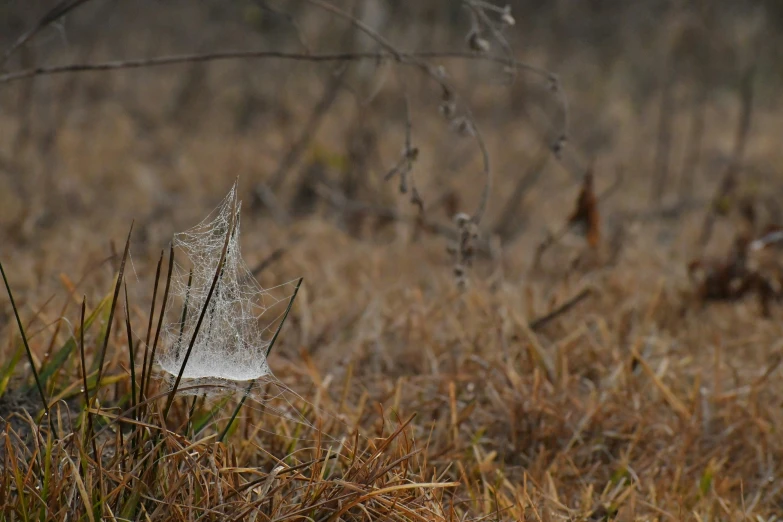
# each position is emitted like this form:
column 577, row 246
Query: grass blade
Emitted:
column 85, row 386
column 160, row 319
column 149, row 327
column 8, row 369
column 285, row 315
column 191, row 412
column 184, row 313
column 131, row 354
column 111, row 311
column 27, row 348
column 201, row 422
column 56, row 362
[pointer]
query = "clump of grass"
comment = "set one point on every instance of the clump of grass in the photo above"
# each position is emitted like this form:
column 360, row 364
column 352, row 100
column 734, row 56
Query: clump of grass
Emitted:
column 583, row 415
column 150, row 457
column 534, row 400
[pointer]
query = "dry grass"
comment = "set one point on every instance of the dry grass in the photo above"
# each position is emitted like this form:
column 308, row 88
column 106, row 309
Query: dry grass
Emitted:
column 401, row 396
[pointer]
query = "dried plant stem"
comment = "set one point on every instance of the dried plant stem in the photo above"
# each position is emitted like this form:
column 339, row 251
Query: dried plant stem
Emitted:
column 131, row 353
column 184, row 313
column 146, row 385
column 111, row 310
column 85, row 387
column 416, row 59
column 142, row 391
column 404, row 58
column 268, row 261
column 404, row 167
column 223, row 433
column 339, row 201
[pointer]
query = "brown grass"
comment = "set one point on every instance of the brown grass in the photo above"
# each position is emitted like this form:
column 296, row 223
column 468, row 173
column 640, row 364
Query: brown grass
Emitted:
column 401, row 396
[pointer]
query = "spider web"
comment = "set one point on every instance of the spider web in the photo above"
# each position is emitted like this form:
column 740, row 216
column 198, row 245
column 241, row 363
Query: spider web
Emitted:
column 228, row 358
column 235, row 333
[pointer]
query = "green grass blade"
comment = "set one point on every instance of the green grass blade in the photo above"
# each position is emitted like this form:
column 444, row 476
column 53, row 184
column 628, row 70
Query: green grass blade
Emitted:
column 117, row 287
column 62, row 355
column 201, row 422
column 129, row 509
column 8, row 369
column 104, row 324
column 47, row 474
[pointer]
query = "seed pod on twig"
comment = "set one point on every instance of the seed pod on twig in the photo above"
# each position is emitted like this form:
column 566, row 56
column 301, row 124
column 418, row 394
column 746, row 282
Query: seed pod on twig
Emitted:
column 477, row 43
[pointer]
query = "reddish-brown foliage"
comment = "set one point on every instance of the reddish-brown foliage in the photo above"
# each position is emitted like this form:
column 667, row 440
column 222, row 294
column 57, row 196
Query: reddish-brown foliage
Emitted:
column 585, row 215
column 749, row 267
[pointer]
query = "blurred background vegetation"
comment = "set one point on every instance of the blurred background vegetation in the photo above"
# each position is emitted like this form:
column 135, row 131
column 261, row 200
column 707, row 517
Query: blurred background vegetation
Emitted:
column 655, row 91
column 674, row 105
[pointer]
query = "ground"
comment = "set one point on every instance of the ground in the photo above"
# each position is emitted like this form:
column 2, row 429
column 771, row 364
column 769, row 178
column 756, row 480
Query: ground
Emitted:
column 593, row 384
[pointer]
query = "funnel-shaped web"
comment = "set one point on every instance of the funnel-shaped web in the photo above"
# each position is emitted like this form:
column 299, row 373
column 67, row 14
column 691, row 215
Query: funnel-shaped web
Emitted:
column 230, row 343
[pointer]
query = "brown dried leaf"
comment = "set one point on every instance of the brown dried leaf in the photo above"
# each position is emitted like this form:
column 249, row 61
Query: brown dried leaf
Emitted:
column 586, row 215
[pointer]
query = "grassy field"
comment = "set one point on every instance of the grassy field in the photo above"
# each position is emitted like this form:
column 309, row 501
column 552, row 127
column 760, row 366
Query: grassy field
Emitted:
column 531, row 372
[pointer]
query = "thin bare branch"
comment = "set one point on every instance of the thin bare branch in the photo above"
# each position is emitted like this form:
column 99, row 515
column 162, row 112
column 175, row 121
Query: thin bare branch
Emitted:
column 55, row 13
column 416, row 59
column 406, row 58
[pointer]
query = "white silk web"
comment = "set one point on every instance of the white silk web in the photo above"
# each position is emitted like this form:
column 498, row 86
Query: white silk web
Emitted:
column 232, row 340
column 229, row 353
